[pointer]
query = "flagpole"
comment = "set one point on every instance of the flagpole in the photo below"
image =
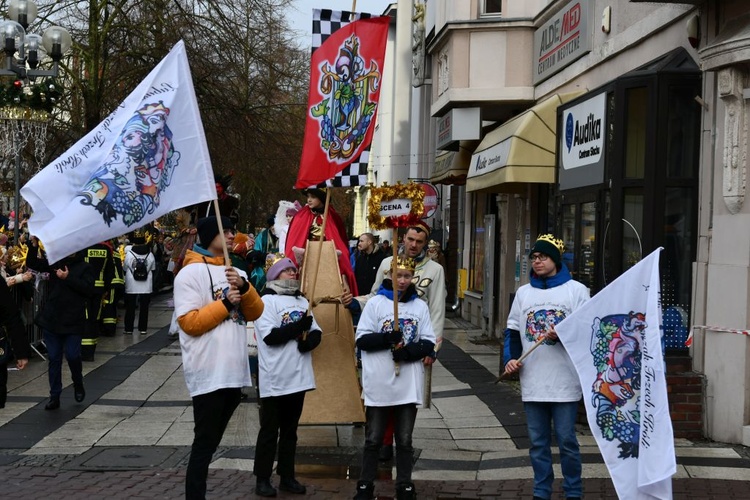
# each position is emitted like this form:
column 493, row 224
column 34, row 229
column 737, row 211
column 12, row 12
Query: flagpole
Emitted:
column 394, row 267
column 524, row 356
column 320, row 253
column 227, row 262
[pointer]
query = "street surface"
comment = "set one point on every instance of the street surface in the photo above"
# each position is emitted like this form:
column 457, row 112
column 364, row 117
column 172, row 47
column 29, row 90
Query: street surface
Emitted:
column 131, row 436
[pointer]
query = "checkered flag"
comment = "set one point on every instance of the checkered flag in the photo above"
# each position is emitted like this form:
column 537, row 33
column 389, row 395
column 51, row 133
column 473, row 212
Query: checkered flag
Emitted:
column 326, row 22
column 348, row 53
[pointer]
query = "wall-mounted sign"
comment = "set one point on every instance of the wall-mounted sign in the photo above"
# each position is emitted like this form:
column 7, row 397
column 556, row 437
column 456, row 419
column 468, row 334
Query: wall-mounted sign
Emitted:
column 582, row 140
column 459, row 124
column 563, row 39
column 490, row 159
column 430, row 199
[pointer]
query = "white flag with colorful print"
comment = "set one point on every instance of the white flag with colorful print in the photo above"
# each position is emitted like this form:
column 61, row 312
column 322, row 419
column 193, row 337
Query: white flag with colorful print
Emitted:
column 614, row 340
column 147, row 158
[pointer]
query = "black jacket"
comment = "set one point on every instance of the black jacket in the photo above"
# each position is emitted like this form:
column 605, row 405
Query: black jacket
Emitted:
column 64, row 311
column 366, row 268
column 10, row 317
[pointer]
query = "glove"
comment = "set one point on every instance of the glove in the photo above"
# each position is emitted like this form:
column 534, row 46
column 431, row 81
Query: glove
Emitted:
column 305, row 323
column 394, row 337
column 400, row 354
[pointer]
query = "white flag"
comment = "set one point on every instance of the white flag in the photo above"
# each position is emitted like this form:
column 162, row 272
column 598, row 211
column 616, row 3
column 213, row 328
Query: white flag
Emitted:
column 147, row 158
column 614, row 340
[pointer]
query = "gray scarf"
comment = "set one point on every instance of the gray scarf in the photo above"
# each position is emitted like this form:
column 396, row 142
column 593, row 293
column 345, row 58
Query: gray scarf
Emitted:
column 284, row 287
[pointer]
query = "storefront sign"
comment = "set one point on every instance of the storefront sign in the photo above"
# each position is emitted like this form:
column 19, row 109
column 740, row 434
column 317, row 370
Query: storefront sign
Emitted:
column 562, row 39
column 459, row 124
column 490, row 159
column 582, row 140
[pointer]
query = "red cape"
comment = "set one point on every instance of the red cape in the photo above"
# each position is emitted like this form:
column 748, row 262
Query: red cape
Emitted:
column 335, row 231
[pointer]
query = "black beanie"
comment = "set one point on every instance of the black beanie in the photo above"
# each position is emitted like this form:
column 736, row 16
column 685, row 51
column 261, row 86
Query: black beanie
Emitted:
column 551, row 246
column 208, row 228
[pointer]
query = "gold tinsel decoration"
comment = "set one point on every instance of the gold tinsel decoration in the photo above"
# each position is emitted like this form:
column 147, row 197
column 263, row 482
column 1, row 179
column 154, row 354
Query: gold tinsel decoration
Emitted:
column 412, row 191
column 17, row 256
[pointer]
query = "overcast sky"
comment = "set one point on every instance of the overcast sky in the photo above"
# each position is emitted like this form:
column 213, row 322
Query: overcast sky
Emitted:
column 300, row 14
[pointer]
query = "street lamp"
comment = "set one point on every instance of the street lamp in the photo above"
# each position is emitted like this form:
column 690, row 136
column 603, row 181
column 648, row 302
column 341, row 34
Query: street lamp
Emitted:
column 23, row 54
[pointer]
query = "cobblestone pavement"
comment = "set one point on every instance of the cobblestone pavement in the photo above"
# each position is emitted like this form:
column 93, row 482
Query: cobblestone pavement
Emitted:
column 130, row 438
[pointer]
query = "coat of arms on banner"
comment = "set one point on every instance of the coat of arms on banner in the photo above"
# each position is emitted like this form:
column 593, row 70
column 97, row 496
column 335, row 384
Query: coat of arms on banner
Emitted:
column 138, row 169
column 616, row 349
column 346, row 113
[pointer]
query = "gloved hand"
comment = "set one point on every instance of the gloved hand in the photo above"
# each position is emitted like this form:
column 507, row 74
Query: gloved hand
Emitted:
column 305, row 323
column 394, row 337
column 400, row 354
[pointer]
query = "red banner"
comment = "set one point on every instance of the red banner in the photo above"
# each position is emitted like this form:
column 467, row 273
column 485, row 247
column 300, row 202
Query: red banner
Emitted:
column 345, row 79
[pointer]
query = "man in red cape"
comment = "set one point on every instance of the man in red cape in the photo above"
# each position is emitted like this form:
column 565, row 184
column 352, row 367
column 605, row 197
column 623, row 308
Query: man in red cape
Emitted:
column 307, row 225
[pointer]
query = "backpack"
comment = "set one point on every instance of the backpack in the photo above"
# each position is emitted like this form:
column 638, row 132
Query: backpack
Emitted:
column 140, row 270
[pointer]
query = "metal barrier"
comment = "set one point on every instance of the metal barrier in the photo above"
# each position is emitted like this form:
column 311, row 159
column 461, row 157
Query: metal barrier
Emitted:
column 29, row 309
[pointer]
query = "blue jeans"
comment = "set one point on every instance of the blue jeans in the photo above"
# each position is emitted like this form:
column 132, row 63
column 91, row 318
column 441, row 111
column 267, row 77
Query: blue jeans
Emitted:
column 56, row 345
column 377, row 417
column 539, row 419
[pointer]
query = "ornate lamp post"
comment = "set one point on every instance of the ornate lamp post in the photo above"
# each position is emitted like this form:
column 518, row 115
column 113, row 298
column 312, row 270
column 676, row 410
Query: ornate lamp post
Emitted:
column 23, row 55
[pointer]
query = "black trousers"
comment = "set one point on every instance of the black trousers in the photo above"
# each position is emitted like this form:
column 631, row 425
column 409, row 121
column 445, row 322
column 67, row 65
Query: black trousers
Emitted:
column 279, row 418
column 144, row 299
column 3, row 384
column 211, row 412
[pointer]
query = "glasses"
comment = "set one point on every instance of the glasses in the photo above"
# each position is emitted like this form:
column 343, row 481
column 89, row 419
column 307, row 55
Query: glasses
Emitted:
column 538, row 257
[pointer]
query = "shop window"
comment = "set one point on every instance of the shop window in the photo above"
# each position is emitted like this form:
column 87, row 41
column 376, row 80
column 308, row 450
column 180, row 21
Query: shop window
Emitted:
column 568, row 235
column 675, row 265
column 587, row 244
column 682, row 122
column 476, row 270
column 494, row 7
column 635, row 132
column 632, row 228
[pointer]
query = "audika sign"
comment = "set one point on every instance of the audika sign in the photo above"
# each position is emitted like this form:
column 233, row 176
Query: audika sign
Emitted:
column 563, row 39
column 582, row 141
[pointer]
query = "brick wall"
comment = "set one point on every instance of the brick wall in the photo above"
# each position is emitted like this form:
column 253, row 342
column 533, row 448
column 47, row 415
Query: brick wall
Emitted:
column 685, row 389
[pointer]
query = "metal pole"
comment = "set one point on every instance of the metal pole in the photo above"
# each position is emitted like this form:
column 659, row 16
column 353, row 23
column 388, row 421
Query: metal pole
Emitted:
column 17, row 144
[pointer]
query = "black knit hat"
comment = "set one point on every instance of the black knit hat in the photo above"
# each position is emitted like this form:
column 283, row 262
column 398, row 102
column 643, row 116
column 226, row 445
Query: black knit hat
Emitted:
column 551, row 246
column 208, row 228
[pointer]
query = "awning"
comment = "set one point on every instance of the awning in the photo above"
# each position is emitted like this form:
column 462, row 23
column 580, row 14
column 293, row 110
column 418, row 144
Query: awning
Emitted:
column 520, row 151
column 451, row 167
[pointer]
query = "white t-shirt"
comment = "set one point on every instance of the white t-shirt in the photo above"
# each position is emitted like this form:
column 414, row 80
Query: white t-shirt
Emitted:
column 282, row 369
column 131, row 284
column 547, row 374
column 381, row 385
column 218, row 358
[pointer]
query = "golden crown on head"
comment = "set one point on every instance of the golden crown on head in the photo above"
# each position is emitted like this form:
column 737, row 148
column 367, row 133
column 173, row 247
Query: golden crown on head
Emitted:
column 556, row 242
column 273, row 258
column 404, row 262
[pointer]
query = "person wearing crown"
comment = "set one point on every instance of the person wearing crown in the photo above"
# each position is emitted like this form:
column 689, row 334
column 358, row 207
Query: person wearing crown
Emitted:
column 307, row 224
column 393, row 373
column 550, row 387
column 285, row 373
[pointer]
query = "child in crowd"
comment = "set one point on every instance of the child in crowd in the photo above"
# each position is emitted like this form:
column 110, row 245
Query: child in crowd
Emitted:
column 393, row 374
column 285, row 373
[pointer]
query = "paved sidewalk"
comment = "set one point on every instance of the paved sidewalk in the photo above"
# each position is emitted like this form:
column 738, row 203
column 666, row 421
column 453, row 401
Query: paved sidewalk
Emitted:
column 130, row 438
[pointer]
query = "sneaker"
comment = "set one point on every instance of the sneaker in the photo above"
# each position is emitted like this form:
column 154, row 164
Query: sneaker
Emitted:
column 173, row 335
column 292, row 486
column 406, row 492
column 365, row 490
column 143, row 332
column 127, row 333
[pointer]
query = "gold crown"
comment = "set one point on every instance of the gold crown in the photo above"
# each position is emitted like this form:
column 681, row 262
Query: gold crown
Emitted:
column 404, row 262
column 273, row 258
column 556, row 242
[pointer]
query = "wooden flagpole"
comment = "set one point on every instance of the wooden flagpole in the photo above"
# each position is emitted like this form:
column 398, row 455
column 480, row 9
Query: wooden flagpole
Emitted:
column 524, row 356
column 394, row 267
column 311, row 297
column 227, row 261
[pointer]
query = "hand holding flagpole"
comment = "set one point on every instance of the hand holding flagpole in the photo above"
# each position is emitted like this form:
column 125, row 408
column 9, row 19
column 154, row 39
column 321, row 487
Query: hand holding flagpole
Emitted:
column 524, row 356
